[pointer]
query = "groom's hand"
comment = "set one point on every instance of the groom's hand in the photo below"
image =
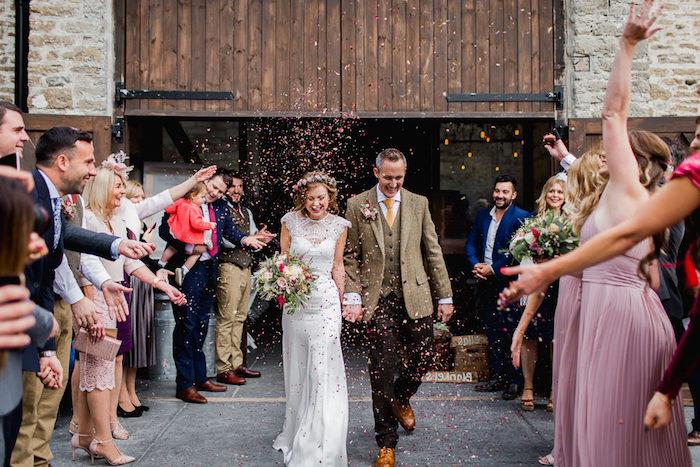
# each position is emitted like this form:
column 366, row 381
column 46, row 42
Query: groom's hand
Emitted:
column 445, row 312
column 352, row 313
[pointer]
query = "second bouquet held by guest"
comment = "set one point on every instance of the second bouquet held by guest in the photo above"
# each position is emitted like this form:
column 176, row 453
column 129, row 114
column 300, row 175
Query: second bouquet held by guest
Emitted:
column 187, row 224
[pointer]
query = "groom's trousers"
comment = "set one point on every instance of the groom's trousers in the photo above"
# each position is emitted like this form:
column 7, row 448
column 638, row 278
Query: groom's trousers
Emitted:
column 192, row 324
column 397, row 344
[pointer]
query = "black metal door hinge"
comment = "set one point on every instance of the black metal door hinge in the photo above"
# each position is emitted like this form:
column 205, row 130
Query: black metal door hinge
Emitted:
column 556, row 96
column 121, row 94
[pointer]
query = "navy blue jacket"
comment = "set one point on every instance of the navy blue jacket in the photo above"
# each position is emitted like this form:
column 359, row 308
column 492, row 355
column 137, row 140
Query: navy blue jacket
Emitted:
column 476, row 241
column 225, row 228
column 41, row 273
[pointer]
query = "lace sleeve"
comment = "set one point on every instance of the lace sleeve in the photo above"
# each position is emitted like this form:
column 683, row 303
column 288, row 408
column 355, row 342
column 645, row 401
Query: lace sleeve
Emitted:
column 341, row 224
column 290, row 220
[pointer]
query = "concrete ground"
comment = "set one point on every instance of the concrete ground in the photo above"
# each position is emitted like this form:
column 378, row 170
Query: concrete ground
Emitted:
column 455, row 425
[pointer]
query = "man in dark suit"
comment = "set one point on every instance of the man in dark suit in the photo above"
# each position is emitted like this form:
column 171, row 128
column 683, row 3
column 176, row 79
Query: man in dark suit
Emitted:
column 65, row 160
column 489, row 237
column 199, row 286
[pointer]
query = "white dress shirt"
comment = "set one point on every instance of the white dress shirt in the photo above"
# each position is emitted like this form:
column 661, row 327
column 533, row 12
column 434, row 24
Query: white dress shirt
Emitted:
column 354, row 298
column 565, row 164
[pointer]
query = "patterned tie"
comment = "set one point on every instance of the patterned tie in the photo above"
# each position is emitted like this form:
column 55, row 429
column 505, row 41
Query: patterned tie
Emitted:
column 56, row 202
column 214, row 237
column 389, row 203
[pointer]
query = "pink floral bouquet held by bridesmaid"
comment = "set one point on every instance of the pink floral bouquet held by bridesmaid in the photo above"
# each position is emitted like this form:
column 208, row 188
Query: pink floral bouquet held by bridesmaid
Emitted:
column 542, row 238
column 286, row 279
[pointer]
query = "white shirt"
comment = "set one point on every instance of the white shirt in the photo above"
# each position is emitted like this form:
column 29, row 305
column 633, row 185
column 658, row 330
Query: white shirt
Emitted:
column 354, row 298
column 565, row 164
column 491, row 236
column 381, row 197
column 205, row 215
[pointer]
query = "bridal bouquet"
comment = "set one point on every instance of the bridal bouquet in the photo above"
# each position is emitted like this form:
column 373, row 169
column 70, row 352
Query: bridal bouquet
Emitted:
column 286, row 279
column 542, row 238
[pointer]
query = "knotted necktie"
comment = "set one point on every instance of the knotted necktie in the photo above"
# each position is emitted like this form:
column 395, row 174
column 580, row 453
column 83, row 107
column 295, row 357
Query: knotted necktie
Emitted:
column 389, row 203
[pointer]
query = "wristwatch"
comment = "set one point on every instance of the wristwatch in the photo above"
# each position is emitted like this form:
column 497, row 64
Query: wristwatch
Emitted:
column 48, row 353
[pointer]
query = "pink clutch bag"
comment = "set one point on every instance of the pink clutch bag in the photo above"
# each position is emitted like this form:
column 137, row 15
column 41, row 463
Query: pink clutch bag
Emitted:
column 105, row 348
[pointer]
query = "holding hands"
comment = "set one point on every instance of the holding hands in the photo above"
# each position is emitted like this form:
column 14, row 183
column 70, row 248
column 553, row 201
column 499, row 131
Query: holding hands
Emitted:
column 353, row 313
column 482, row 271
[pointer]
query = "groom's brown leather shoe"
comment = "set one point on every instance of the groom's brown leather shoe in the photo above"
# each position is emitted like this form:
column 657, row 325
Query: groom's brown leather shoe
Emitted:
column 229, row 377
column 385, row 458
column 404, row 413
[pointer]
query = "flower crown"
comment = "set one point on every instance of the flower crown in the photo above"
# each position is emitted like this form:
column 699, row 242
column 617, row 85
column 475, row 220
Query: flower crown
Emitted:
column 117, row 163
column 314, row 178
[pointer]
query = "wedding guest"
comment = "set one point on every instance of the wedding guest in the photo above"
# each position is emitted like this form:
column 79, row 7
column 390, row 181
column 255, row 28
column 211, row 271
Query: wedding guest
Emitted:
column 25, row 323
column 142, row 353
column 539, row 311
column 625, row 337
column 64, row 161
column 586, row 179
column 103, row 196
column 192, row 320
column 558, row 151
column 233, row 293
column 488, row 238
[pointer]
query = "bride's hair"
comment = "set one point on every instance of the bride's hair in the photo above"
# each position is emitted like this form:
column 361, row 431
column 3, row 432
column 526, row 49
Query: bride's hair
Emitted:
column 584, row 186
column 310, row 180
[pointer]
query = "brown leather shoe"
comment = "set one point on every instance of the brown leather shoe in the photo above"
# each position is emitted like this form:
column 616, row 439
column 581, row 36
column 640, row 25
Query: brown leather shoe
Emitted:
column 404, row 413
column 385, row 458
column 211, row 387
column 191, row 395
column 229, row 377
column 246, row 372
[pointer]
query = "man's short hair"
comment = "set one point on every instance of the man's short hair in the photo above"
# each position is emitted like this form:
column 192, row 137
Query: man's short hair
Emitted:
column 225, row 175
column 57, row 140
column 505, row 179
column 236, row 174
column 5, row 106
column 390, row 154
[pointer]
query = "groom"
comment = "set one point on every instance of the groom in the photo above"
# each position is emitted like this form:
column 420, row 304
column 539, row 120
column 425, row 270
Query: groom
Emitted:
column 390, row 243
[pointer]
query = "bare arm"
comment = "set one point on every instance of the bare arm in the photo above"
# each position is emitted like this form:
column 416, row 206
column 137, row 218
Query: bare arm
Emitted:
column 338, row 272
column 667, row 207
column 178, row 191
column 285, row 240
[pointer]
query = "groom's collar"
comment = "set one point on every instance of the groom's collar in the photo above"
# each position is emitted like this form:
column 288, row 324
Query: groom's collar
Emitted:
column 381, row 196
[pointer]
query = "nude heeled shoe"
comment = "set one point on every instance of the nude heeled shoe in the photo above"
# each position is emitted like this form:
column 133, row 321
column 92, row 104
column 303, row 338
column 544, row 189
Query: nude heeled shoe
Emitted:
column 75, row 444
column 118, row 431
column 121, row 459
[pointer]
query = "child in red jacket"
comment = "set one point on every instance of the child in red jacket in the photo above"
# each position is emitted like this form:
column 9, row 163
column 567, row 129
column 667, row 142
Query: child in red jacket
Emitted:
column 187, row 224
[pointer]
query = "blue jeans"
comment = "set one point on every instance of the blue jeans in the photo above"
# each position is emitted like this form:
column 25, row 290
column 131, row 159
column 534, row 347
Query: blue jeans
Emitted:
column 192, row 323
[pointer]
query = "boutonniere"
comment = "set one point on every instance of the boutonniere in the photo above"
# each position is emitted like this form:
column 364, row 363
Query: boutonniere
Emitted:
column 369, row 211
column 68, row 208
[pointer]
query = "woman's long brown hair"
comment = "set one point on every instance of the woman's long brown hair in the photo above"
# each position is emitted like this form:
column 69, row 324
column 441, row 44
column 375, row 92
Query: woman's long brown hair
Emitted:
column 17, row 214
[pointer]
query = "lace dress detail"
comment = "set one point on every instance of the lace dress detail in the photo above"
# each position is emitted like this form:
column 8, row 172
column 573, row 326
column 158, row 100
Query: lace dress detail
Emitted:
column 316, row 415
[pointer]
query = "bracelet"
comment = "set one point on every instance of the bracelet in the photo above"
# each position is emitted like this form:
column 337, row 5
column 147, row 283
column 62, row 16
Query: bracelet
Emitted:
column 666, row 399
column 48, row 353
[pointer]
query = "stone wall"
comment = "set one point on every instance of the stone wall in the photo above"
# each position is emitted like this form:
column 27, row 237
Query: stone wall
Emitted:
column 71, row 57
column 666, row 74
column 7, row 50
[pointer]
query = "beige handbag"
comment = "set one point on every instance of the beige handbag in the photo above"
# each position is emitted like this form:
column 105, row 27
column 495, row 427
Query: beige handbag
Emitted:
column 105, row 348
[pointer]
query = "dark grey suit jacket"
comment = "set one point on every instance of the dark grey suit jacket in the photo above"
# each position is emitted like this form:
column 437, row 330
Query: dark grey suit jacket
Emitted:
column 669, row 293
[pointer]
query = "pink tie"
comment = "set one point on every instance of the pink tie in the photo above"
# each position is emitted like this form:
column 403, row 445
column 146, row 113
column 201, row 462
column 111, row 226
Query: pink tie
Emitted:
column 214, row 238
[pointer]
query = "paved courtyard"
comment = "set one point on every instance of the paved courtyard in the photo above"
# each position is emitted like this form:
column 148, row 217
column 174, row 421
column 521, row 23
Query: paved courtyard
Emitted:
column 455, row 425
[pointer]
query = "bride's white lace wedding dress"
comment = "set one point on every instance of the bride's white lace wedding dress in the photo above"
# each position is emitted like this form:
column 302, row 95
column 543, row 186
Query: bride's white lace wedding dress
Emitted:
column 316, row 416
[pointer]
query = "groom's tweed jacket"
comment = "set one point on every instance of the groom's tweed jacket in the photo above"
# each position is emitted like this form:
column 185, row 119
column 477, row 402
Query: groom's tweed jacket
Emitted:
column 365, row 254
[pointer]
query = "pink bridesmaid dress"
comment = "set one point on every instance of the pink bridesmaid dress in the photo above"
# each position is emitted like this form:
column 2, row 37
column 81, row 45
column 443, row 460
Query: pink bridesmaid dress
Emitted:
column 625, row 342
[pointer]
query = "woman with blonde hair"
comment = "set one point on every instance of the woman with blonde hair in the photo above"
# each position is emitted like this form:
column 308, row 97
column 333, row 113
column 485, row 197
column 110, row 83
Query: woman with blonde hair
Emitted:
column 316, row 412
column 103, row 195
column 625, row 338
column 540, row 307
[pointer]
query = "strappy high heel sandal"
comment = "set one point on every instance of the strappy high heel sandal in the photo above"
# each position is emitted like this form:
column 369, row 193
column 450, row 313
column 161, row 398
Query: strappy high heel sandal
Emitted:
column 118, row 431
column 73, row 427
column 75, row 444
column 528, row 405
column 120, row 459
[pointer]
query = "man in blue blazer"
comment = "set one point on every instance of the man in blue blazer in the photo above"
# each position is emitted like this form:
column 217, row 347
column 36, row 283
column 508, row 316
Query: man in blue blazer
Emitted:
column 199, row 287
column 488, row 240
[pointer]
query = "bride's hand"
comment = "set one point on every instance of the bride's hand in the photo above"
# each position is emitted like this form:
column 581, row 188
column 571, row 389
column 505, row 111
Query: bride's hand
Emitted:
column 352, row 313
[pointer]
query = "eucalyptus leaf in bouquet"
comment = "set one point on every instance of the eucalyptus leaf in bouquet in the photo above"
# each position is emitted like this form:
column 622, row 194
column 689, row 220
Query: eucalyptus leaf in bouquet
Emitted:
column 542, row 238
column 286, row 279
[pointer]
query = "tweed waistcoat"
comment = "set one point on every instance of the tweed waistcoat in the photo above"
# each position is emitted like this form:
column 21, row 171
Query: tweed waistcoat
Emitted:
column 391, row 281
column 238, row 256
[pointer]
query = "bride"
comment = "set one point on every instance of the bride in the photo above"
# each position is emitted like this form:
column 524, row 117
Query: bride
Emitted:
column 316, row 415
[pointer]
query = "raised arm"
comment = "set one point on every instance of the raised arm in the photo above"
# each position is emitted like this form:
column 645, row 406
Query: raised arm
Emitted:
column 622, row 165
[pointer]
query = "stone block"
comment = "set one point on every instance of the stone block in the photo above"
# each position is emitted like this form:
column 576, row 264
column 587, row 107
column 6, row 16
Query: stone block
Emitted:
column 58, row 98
